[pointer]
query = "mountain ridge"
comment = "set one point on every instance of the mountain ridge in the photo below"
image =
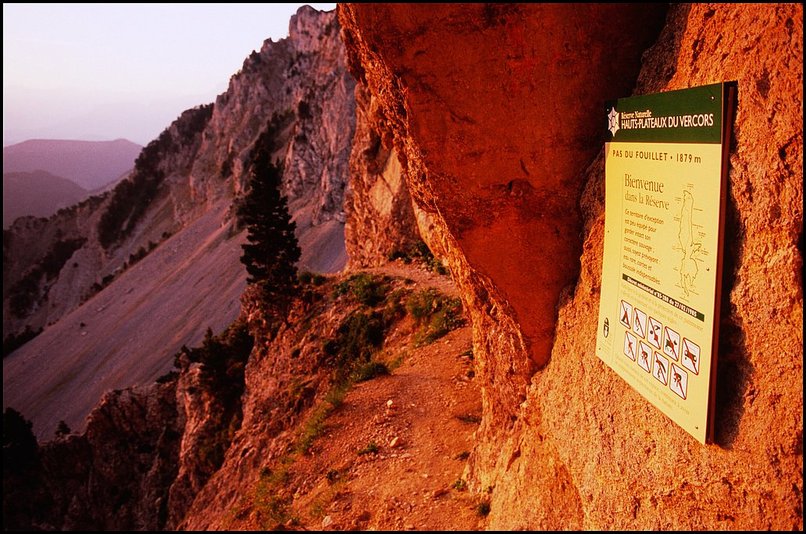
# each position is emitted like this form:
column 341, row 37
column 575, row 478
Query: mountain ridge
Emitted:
column 37, row 193
column 90, row 164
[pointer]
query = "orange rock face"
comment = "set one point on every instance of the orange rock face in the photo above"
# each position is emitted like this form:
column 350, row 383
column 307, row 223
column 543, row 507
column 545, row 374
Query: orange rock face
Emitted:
column 379, row 212
column 498, row 117
column 497, row 114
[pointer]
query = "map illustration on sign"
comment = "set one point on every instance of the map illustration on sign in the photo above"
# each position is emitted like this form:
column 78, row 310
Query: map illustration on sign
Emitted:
column 665, row 190
column 689, row 246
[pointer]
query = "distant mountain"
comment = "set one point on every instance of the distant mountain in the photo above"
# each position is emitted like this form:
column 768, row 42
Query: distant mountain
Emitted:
column 37, row 193
column 90, row 164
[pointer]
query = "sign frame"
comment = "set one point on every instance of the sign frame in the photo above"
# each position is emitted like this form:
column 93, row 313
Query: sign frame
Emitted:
column 666, row 170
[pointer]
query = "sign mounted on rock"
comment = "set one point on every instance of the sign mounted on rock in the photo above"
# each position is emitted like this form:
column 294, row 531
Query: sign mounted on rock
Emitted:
column 665, row 182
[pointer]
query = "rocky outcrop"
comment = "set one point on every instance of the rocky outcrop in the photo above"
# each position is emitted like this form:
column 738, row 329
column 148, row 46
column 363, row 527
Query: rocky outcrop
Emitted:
column 499, row 146
column 287, row 371
column 492, row 192
column 380, row 214
column 501, row 179
column 202, row 160
column 145, row 453
column 114, row 476
column 304, row 81
column 42, row 281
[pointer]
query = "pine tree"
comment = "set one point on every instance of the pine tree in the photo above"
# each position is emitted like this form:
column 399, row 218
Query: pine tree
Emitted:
column 273, row 251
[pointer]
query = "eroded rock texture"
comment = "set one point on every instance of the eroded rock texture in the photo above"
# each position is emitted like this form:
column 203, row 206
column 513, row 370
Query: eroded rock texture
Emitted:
column 496, row 113
column 114, row 476
column 380, row 215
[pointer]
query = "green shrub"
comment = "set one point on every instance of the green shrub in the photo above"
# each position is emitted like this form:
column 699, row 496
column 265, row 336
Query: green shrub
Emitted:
column 312, row 428
column 448, row 317
column 224, row 356
column 436, row 314
column 370, row 370
column 367, row 289
column 423, row 303
column 358, row 337
column 418, row 251
column 335, row 396
column 271, row 503
column 395, row 308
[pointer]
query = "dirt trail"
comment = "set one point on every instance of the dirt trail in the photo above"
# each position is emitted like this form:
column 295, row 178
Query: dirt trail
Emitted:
column 392, row 455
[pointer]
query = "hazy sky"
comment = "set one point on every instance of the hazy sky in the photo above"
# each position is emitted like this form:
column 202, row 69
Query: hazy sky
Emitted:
column 106, row 71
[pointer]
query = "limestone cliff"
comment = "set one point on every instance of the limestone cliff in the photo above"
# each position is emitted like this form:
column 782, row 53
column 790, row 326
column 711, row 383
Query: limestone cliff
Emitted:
column 51, row 266
column 121, row 282
column 303, row 77
column 495, row 111
column 490, row 118
column 380, row 215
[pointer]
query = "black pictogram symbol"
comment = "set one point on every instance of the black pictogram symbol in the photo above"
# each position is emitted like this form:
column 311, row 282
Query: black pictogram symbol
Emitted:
column 671, row 343
column 660, row 366
column 625, row 313
column 691, row 356
column 679, row 382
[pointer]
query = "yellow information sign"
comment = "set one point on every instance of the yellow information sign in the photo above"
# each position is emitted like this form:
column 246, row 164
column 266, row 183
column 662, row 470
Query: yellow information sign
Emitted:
column 665, row 181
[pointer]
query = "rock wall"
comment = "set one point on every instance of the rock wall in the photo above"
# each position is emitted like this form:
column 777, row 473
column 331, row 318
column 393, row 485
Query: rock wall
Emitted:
column 498, row 174
column 113, row 476
column 380, row 214
column 303, row 78
column 496, row 113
